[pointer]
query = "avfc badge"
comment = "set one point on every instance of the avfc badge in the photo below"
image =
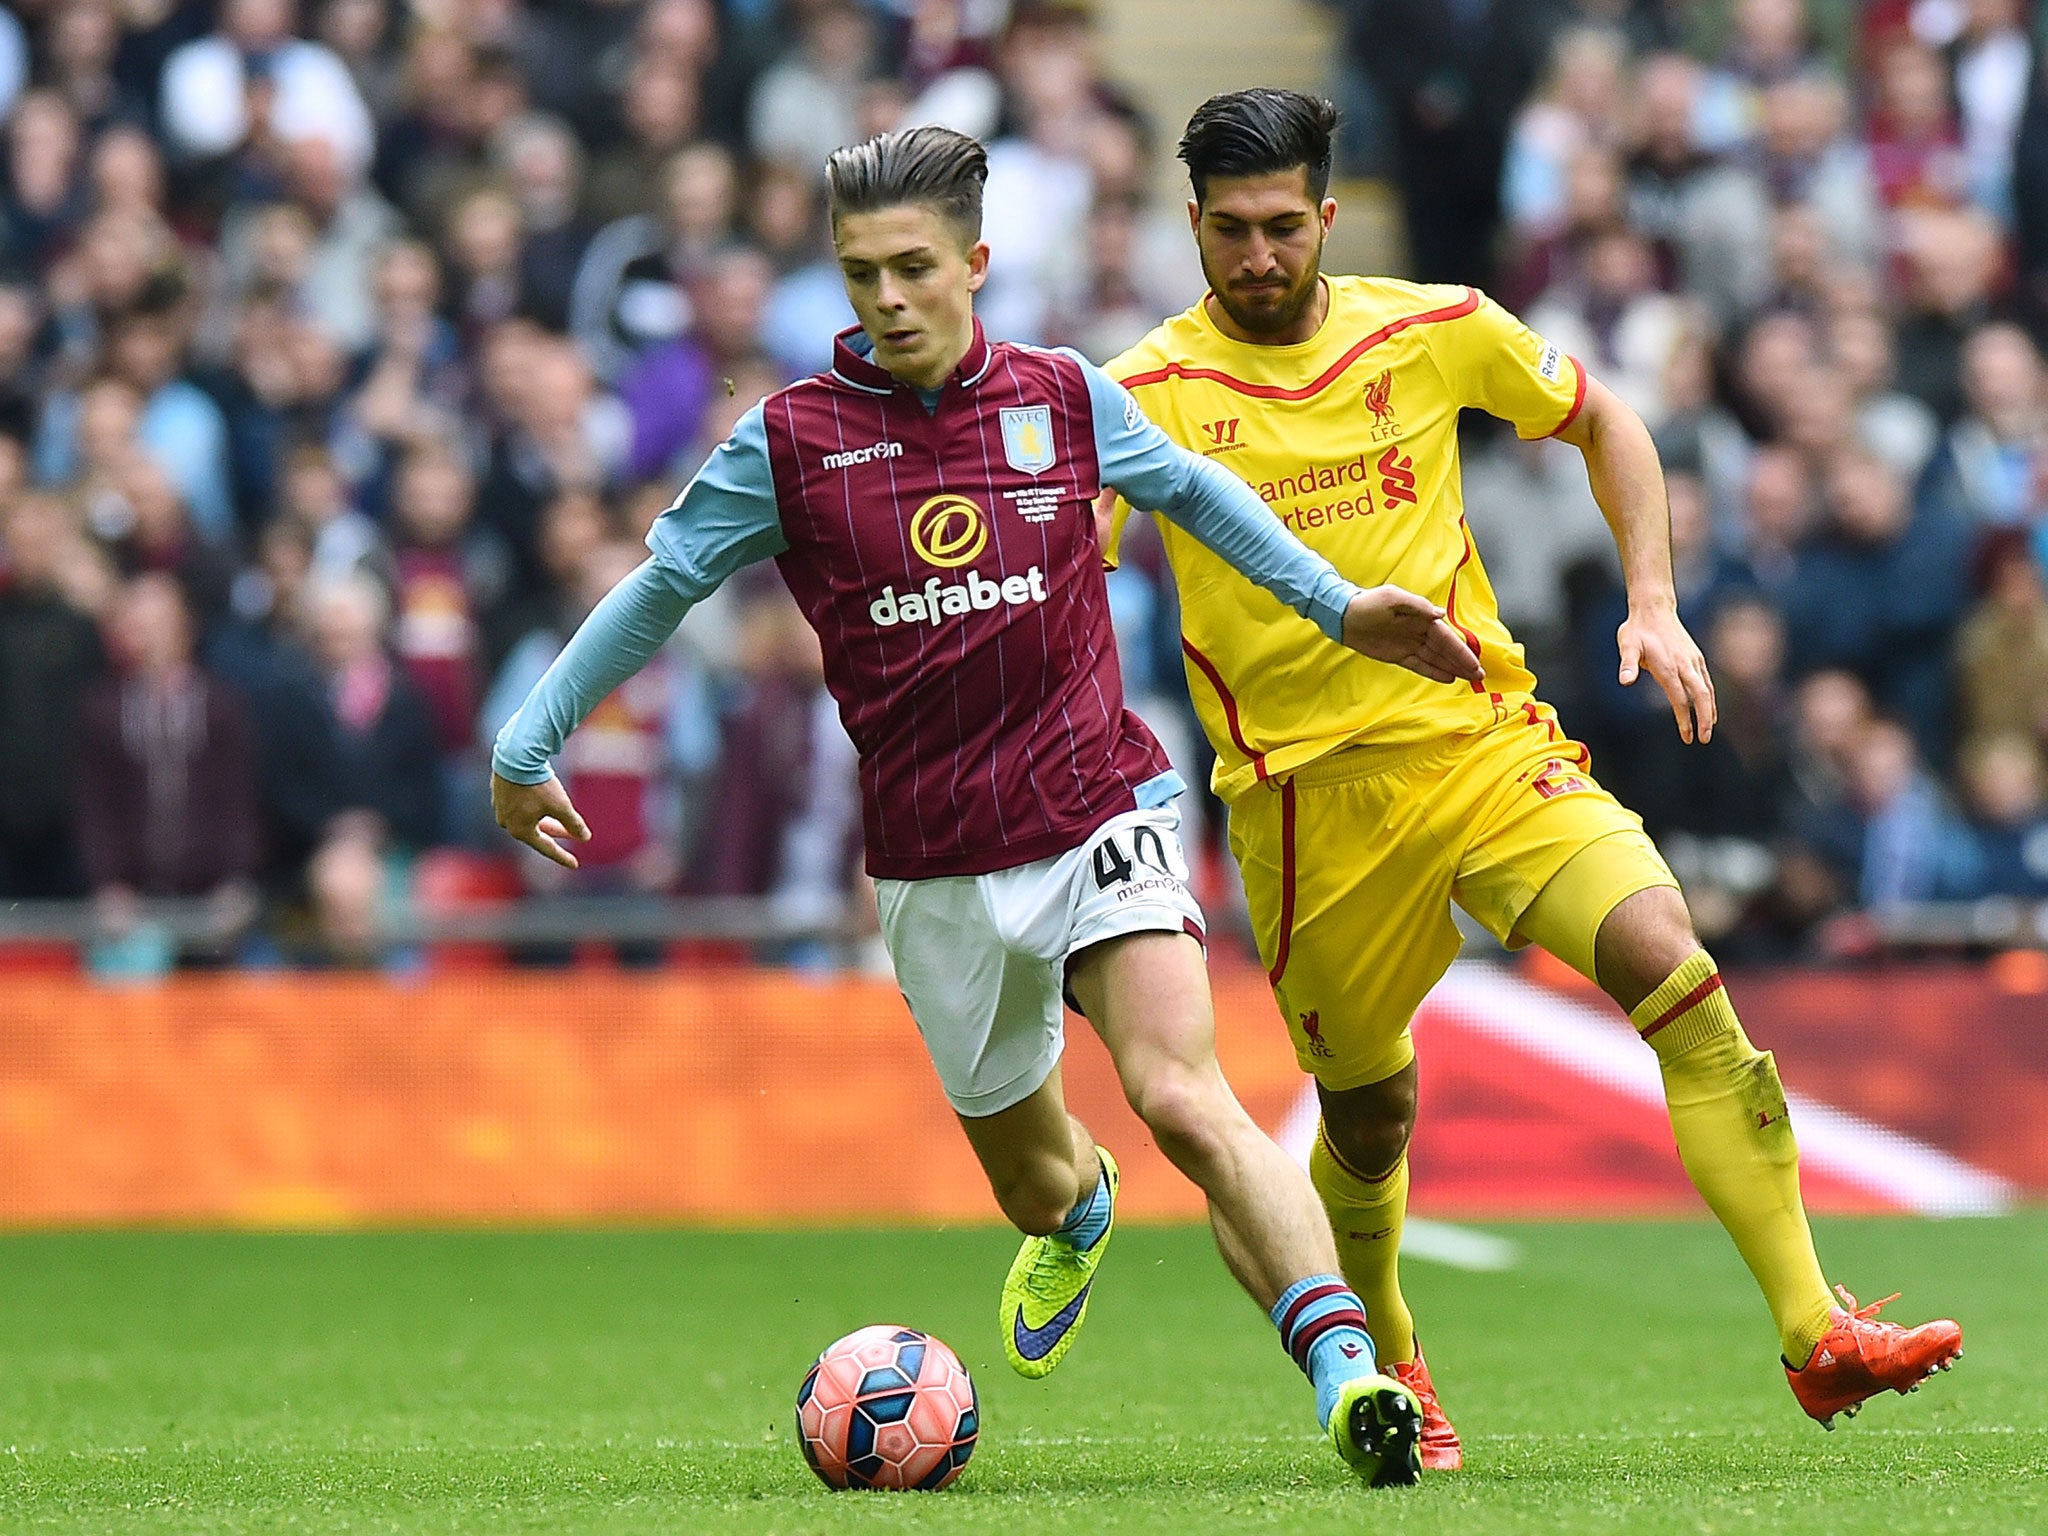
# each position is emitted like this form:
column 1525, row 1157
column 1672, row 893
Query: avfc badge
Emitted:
column 1027, row 437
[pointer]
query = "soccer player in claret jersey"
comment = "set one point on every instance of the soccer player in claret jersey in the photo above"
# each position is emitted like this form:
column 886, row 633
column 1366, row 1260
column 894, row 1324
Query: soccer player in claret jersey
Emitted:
column 1363, row 802
column 930, row 501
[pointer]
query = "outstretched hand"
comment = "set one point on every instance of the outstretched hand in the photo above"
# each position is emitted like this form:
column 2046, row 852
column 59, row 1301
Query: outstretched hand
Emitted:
column 539, row 815
column 1391, row 624
column 1656, row 642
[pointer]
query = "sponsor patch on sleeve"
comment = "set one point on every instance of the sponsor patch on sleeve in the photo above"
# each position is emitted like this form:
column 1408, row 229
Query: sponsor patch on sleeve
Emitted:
column 1132, row 415
column 1551, row 359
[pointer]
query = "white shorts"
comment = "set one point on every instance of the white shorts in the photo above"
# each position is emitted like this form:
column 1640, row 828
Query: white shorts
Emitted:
column 982, row 959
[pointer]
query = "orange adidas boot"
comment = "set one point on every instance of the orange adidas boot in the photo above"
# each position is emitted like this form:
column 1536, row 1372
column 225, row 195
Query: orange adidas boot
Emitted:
column 1440, row 1449
column 1859, row 1357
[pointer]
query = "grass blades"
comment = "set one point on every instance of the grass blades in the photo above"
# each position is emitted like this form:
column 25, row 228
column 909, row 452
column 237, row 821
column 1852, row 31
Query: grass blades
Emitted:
column 1621, row 1378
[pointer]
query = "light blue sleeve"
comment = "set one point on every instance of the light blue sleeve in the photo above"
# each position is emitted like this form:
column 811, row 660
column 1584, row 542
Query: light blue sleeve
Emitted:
column 725, row 518
column 623, row 631
column 1155, row 474
column 524, row 666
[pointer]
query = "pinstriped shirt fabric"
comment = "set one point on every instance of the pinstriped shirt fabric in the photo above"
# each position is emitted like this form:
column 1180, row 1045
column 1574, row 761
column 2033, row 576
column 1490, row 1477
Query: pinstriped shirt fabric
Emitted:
column 947, row 557
column 943, row 545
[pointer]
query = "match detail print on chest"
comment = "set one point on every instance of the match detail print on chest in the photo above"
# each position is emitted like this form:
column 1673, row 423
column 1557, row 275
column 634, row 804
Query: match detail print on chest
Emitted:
column 1028, row 451
column 982, row 481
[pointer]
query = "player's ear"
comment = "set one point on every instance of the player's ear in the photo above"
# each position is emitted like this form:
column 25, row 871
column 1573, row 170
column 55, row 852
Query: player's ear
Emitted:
column 1329, row 213
column 1195, row 217
column 977, row 265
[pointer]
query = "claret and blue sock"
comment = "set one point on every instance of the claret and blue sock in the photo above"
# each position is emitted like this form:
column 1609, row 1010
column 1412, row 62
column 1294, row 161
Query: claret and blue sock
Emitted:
column 1089, row 1219
column 1322, row 1325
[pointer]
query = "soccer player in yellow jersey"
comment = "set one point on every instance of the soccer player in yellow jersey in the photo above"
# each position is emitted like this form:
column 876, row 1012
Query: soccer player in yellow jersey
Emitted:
column 1364, row 800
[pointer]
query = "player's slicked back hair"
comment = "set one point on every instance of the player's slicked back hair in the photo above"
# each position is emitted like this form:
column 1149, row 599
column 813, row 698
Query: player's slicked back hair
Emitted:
column 1258, row 132
column 930, row 165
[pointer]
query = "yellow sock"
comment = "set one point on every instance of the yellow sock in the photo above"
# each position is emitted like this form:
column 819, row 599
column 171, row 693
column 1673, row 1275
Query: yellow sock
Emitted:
column 1366, row 1217
column 1735, row 1139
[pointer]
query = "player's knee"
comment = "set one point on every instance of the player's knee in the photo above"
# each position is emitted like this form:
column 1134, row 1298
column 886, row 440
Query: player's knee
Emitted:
column 1368, row 1128
column 1641, row 942
column 1186, row 1114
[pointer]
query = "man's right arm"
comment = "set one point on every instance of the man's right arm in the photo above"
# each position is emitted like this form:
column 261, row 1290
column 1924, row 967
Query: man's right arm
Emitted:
column 725, row 518
column 1147, row 467
column 621, row 634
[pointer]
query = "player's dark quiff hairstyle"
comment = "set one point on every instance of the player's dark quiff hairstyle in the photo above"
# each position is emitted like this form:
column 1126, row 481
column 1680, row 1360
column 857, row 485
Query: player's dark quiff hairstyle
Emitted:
column 1258, row 132
column 930, row 165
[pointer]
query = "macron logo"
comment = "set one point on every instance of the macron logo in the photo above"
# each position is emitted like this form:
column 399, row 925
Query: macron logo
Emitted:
column 940, row 599
column 866, row 455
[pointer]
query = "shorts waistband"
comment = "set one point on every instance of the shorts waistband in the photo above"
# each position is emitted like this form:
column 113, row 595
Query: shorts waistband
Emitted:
column 1366, row 760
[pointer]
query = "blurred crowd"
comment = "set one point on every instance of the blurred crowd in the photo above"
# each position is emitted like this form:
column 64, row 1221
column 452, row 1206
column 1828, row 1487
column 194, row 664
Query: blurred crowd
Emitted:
column 1808, row 241
column 347, row 351
column 349, row 347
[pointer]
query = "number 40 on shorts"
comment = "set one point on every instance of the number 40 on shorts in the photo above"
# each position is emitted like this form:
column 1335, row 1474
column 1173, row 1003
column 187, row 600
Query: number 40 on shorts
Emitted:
column 1115, row 866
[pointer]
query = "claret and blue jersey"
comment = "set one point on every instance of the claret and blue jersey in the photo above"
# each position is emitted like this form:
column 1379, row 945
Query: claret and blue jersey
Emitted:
column 943, row 545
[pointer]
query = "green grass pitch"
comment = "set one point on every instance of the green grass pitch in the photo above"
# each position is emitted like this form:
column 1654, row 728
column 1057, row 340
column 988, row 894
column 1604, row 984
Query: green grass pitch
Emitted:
column 1621, row 1378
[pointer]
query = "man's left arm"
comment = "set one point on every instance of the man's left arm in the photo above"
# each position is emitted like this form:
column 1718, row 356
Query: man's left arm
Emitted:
column 1154, row 473
column 1628, row 482
column 1491, row 361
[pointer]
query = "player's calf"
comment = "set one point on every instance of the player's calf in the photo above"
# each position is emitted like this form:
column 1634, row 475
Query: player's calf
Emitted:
column 1037, row 1198
column 1037, row 1158
column 1734, row 1132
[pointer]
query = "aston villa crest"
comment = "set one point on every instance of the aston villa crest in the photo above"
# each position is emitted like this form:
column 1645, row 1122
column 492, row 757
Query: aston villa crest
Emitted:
column 1379, row 399
column 1027, row 437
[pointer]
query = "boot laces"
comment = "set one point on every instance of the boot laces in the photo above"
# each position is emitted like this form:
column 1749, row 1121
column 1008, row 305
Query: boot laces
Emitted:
column 1863, row 1314
column 1054, row 1261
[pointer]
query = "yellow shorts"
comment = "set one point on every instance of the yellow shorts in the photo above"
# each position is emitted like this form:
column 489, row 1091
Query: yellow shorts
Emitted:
column 1351, row 864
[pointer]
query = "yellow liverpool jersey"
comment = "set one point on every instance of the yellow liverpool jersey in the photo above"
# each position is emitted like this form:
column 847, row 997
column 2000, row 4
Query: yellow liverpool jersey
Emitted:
column 1351, row 438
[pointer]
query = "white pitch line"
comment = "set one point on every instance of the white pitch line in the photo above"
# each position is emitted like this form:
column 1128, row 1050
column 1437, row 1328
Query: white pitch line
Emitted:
column 1442, row 1242
column 1903, row 1169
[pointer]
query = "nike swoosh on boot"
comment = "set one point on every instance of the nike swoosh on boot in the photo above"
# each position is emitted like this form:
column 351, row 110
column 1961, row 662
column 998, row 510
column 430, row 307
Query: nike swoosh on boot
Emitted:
column 1036, row 1343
